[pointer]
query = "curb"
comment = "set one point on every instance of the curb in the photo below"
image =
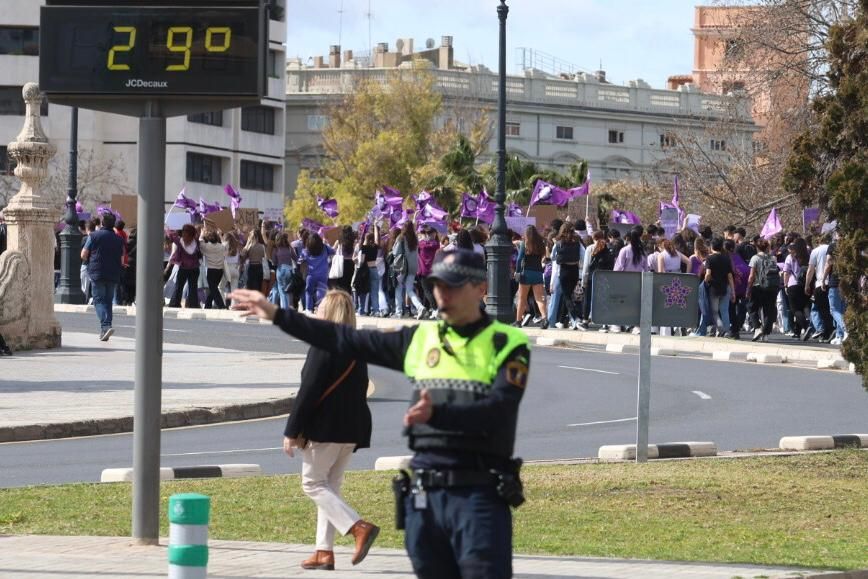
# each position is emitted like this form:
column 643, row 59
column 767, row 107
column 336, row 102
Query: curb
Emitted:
column 392, row 462
column 212, row 471
column 192, row 417
column 665, row 450
column 824, row 442
column 619, row 342
column 833, row 363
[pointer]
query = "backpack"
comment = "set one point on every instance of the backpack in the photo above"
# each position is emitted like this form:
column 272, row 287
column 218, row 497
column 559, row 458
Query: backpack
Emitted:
column 768, row 274
column 603, row 260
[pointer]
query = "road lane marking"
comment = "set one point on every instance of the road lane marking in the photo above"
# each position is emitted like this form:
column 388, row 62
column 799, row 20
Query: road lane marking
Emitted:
column 701, row 394
column 588, row 370
column 603, row 422
column 223, row 451
column 164, row 329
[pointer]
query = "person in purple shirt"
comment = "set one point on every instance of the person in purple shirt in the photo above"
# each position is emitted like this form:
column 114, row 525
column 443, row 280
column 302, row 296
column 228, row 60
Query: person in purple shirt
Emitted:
column 187, row 257
column 632, row 255
column 315, row 256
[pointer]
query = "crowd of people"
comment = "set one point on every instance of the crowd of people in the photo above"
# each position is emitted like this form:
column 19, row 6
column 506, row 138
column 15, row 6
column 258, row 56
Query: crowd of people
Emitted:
column 786, row 284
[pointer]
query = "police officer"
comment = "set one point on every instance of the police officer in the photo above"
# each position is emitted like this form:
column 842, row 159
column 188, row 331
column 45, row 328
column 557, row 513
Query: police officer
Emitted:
column 469, row 373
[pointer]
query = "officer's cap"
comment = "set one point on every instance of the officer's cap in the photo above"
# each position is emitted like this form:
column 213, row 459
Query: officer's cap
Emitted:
column 456, row 267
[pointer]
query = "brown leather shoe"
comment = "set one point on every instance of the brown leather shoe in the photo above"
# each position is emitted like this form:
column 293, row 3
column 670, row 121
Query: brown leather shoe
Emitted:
column 365, row 533
column 324, row 560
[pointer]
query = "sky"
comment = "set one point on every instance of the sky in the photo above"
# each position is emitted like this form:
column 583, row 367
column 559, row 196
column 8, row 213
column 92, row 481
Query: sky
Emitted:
column 647, row 39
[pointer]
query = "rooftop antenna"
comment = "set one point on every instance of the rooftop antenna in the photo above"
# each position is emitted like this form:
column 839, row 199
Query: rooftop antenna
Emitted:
column 340, row 22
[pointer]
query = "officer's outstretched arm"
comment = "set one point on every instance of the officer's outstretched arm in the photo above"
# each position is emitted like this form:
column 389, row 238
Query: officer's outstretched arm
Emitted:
column 491, row 413
column 385, row 349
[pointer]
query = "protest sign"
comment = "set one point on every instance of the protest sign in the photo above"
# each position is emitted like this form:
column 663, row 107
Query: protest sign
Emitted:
column 246, row 218
column 222, row 220
column 175, row 220
column 519, row 224
column 669, row 220
column 127, row 206
column 544, row 214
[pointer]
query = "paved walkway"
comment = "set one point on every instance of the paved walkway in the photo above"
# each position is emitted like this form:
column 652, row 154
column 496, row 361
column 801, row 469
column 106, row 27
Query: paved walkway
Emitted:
column 41, row 557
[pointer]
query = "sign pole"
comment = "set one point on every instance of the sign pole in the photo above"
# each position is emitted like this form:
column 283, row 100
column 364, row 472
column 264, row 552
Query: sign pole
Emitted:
column 644, row 397
column 149, row 326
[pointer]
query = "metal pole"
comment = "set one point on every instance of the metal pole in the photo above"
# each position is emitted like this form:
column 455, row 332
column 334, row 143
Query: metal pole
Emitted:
column 499, row 247
column 149, row 327
column 69, row 288
column 644, row 398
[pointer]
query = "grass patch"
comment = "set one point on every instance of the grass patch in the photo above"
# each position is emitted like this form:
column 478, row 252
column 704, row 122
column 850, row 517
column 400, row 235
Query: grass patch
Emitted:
column 808, row 510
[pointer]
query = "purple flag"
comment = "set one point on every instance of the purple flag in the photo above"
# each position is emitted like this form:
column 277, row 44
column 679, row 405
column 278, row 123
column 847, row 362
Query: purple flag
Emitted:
column 311, row 225
column 676, row 199
column 101, row 210
column 582, row 190
column 548, row 194
column 625, row 217
column 469, row 206
column 772, row 225
column 400, row 217
column 433, row 211
column 514, row 210
column 388, row 200
column 205, row 208
column 422, row 199
column 328, row 206
column 810, row 215
column 183, row 201
column 235, row 198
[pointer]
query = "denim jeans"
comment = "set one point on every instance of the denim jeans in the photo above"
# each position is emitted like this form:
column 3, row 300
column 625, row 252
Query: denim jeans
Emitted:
column 705, row 317
column 314, row 290
column 555, row 301
column 837, row 308
column 785, row 312
column 718, row 307
column 463, row 533
column 103, row 292
column 377, row 296
column 284, row 278
column 821, row 317
column 408, row 286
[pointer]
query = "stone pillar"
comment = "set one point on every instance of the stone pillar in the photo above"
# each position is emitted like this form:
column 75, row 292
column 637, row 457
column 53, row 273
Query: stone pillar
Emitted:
column 27, row 318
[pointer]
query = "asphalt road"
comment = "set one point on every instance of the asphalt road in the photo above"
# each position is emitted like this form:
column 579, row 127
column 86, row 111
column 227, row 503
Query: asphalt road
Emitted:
column 577, row 400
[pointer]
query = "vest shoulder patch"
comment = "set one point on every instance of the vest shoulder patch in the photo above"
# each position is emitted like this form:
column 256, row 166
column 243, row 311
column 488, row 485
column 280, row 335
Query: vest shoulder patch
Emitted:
column 517, row 373
column 433, row 357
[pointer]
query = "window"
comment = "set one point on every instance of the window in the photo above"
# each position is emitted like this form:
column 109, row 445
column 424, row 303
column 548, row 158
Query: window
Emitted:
column 513, row 129
column 214, row 118
column 667, row 140
column 19, row 40
column 565, row 133
column 717, row 145
column 7, row 164
column 258, row 120
column 204, row 169
column 316, row 122
column 273, row 64
column 257, row 176
column 12, row 103
column 616, row 137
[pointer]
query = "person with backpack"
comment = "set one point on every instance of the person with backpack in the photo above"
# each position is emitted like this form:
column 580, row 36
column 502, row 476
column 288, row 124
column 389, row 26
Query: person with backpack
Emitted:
column 795, row 275
column 597, row 257
column 763, row 285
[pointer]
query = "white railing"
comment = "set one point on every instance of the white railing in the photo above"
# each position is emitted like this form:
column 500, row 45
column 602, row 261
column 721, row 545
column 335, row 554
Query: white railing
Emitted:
column 584, row 91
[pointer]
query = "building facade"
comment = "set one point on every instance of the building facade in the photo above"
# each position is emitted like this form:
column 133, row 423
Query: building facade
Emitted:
column 622, row 131
column 244, row 147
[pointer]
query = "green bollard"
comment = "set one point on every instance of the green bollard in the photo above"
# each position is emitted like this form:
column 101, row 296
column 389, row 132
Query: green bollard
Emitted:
column 188, row 536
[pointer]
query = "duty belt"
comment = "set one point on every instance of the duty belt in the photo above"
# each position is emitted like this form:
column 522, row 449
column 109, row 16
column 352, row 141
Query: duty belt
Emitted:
column 430, row 479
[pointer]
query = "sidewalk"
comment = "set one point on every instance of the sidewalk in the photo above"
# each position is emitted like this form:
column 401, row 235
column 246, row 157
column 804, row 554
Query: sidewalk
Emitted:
column 788, row 349
column 86, row 387
column 42, row 557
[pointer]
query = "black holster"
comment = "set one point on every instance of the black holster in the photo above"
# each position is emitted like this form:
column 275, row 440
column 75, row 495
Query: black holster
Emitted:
column 400, row 488
column 509, row 485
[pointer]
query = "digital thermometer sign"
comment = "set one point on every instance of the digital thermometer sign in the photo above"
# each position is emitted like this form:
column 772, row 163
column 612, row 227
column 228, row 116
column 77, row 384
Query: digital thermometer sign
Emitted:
column 147, row 52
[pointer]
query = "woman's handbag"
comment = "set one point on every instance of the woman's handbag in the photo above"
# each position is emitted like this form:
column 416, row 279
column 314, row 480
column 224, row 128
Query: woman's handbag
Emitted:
column 336, row 269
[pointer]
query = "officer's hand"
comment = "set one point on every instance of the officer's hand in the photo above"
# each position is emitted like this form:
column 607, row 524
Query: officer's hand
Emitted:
column 421, row 412
column 252, row 303
column 288, row 443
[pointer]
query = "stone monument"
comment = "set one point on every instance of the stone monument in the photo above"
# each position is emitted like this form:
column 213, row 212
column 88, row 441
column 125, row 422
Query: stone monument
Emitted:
column 27, row 318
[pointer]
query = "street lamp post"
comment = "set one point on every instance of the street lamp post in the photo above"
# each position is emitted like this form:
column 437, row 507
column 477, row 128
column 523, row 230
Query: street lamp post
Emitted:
column 499, row 247
column 69, row 289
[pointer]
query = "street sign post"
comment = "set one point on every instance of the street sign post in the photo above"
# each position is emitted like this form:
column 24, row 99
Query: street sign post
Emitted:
column 644, row 299
column 152, row 61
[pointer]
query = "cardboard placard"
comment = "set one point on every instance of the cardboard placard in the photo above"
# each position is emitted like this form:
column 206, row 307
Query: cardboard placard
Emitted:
column 128, row 207
column 669, row 220
column 519, row 224
column 222, row 220
column 544, row 214
column 273, row 214
column 246, row 219
column 331, row 234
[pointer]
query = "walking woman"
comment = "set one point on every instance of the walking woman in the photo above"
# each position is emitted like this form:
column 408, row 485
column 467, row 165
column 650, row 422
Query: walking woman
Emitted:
column 232, row 263
column 697, row 268
column 370, row 251
column 531, row 251
column 284, row 260
column 315, row 257
column 567, row 253
column 253, row 254
column 330, row 420
column 763, row 285
column 795, row 272
column 215, row 258
column 186, row 257
column 406, row 264
column 597, row 257
column 344, row 250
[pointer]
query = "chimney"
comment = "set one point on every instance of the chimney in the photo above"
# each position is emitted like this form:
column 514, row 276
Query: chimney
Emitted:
column 318, row 62
column 334, row 56
column 445, row 53
column 601, row 75
column 348, row 56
